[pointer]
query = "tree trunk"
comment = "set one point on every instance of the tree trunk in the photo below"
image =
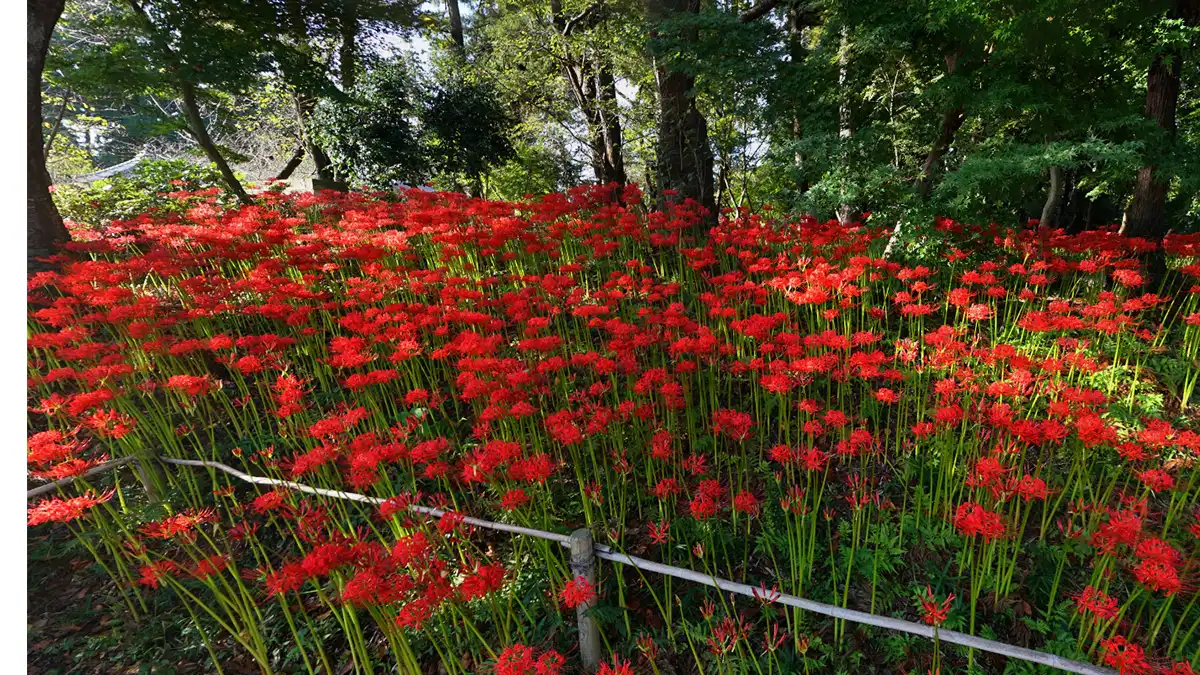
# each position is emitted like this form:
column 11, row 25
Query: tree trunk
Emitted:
column 845, row 211
column 44, row 227
column 1144, row 215
column 191, row 110
column 610, row 126
column 58, row 120
column 799, row 17
column 304, row 108
column 1049, row 219
column 292, row 165
column 951, row 121
column 595, row 92
column 456, row 27
column 348, row 50
column 685, row 161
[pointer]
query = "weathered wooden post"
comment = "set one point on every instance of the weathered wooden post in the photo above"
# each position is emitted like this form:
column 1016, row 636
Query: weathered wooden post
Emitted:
column 583, row 564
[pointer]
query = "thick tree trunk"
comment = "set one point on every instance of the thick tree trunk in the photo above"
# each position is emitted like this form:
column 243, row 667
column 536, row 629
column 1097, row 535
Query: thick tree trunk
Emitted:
column 44, row 226
column 191, row 110
column 799, row 17
column 1050, row 210
column 293, row 164
column 685, row 161
column 456, row 27
column 610, row 127
column 596, row 95
column 348, row 50
column 304, row 109
column 1144, row 215
column 595, row 92
column 585, row 88
column 951, row 121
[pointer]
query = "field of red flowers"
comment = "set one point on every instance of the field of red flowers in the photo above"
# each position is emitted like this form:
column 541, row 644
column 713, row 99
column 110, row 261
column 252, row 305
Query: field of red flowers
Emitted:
column 999, row 442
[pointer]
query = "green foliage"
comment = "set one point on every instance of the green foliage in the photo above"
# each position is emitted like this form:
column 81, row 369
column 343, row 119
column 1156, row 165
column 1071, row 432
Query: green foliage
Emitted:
column 143, row 190
column 534, row 169
column 466, row 128
column 371, row 136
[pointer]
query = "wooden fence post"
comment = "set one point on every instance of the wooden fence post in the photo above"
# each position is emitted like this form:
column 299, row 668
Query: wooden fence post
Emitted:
column 583, row 564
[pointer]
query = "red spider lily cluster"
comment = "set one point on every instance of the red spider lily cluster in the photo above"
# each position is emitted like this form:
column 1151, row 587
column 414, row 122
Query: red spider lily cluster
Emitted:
column 768, row 400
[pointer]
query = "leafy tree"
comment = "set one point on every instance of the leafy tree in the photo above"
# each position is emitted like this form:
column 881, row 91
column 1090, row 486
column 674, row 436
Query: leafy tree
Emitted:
column 44, row 225
column 372, row 136
column 466, row 129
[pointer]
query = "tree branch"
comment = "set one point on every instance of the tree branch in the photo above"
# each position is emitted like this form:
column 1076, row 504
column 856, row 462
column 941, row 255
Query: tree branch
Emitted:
column 589, row 15
column 758, row 11
column 62, row 110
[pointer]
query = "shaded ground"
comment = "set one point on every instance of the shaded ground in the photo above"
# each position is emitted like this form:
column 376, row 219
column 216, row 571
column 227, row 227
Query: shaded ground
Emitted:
column 77, row 625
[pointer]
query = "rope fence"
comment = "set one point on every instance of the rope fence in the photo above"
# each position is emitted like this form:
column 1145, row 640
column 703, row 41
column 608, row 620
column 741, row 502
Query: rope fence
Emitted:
column 584, row 552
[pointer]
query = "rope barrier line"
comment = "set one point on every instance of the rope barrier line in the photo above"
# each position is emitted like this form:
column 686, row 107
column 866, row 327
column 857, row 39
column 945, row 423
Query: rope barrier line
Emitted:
column 354, row 496
column 606, row 553
column 99, row 468
column 982, row 644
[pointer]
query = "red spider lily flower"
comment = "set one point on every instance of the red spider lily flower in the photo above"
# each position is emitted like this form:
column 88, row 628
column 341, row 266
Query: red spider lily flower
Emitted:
column 1096, row 602
column 765, row 595
column 702, row 507
column 59, row 510
column 979, row 312
column 68, row 469
column 746, row 502
column 206, row 567
column 514, row 499
column 1030, row 488
column 151, row 575
column 732, row 423
column 1157, row 480
column 486, row 579
column 618, row 667
column 973, row 520
column 180, row 524
column 47, row 447
column 267, row 502
column 667, row 487
column 1123, row 528
column 190, row 385
column 885, row 395
column 646, row 645
column 449, row 522
column 110, row 424
column 660, row 533
column 696, row 464
column 1158, row 575
column 563, row 429
column 932, row 612
column 773, row 639
column 549, row 663
column 1126, row 657
column 577, row 592
column 414, row 614
column 726, row 635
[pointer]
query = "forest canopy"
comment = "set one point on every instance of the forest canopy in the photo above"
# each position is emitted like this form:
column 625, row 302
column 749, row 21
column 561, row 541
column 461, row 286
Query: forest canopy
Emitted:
column 1076, row 113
